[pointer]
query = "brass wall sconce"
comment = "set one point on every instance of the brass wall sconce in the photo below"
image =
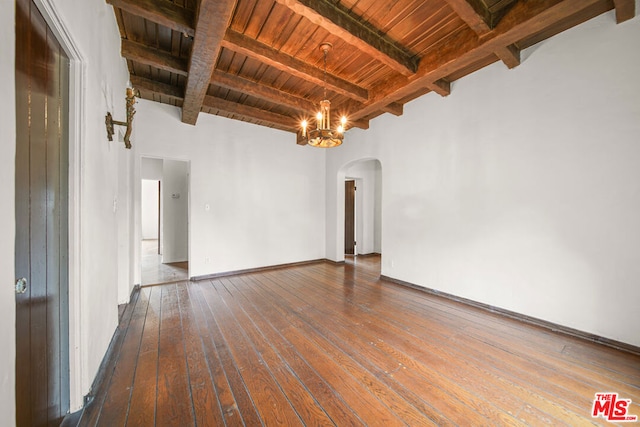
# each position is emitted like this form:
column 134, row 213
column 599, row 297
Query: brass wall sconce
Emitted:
column 131, row 100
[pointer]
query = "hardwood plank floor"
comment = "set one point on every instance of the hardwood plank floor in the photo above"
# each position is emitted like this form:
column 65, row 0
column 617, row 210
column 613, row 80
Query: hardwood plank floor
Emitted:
column 325, row 344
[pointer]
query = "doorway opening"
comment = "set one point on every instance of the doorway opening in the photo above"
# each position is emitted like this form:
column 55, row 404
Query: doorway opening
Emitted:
column 350, row 241
column 362, row 183
column 164, row 245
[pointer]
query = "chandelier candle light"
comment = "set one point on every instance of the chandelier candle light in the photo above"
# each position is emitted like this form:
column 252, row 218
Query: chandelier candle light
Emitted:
column 323, row 136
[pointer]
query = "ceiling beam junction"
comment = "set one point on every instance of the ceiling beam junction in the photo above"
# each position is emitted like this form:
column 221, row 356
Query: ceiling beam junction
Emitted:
column 213, row 18
column 247, row 46
column 339, row 21
column 144, row 84
column 523, row 19
column 509, row 55
column 482, row 21
column 625, row 10
column 165, row 13
column 441, row 87
column 266, row 93
column 473, row 13
column 164, row 61
column 153, row 57
column 395, row 108
column 176, row 93
column 276, row 120
column 302, row 106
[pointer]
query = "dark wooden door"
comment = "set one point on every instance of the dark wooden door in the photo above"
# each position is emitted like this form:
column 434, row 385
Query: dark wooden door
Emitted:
column 41, row 248
column 349, row 217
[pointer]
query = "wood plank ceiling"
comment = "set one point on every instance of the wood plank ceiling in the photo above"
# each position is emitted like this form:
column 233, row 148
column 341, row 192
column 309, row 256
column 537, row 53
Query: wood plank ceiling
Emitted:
column 259, row 60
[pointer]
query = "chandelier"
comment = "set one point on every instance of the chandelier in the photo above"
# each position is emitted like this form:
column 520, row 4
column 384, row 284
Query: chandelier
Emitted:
column 323, row 136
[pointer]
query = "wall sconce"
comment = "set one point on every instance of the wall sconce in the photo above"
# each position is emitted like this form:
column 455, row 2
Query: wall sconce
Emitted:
column 131, row 100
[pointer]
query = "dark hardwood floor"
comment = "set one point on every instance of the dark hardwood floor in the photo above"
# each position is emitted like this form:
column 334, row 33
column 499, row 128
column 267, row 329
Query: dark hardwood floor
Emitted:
column 326, row 344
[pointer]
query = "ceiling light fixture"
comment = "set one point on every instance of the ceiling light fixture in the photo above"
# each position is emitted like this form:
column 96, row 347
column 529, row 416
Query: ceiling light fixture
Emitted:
column 323, row 136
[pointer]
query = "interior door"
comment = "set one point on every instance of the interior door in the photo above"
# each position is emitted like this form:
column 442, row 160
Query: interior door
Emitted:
column 349, row 217
column 41, row 247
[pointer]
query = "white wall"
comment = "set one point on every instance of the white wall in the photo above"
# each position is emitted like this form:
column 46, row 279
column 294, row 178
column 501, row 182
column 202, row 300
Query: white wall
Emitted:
column 175, row 195
column 151, row 169
column 123, row 204
column 265, row 194
column 105, row 186
column 149, row 209
column 7, row 213
column 522, row 188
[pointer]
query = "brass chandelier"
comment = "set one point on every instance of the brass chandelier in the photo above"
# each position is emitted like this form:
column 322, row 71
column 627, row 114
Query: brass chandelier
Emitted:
column 323, row 136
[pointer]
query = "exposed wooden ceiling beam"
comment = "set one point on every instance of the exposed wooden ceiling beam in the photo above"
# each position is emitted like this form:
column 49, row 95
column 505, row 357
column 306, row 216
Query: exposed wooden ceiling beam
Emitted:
column 212, row 21
column 395, row 108
column 266, row 93
column 523, row 19
column 245, row 45
column 441, row 87
column 338, row 21
column 350, row 107
column 473, row 13
column 301, row 105
column 278, row 121
column 161, row 12
column 480, row 20
column 164, row 13
column 153, row 86
column 358, row 123
column 164, row 61
column 275, row 120
column 415, row 95
column 176, row 93
column 625, row 10
column 300, row 140
column 510, row 55
column 153, row 57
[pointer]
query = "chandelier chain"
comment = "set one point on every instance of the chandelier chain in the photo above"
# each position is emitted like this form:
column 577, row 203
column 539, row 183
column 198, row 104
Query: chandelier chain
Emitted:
column 325, row 74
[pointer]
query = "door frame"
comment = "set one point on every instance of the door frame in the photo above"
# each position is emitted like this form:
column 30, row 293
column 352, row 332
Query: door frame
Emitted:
column 137, row 212
column 355, row 213
column 78, row 379
column 335, row 244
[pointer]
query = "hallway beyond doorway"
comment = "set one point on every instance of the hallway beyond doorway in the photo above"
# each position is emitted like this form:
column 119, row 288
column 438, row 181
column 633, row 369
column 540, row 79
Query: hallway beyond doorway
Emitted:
column 154, row 271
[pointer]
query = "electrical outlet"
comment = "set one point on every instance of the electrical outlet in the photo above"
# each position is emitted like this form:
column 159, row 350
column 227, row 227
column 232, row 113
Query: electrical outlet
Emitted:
column 207, row 260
